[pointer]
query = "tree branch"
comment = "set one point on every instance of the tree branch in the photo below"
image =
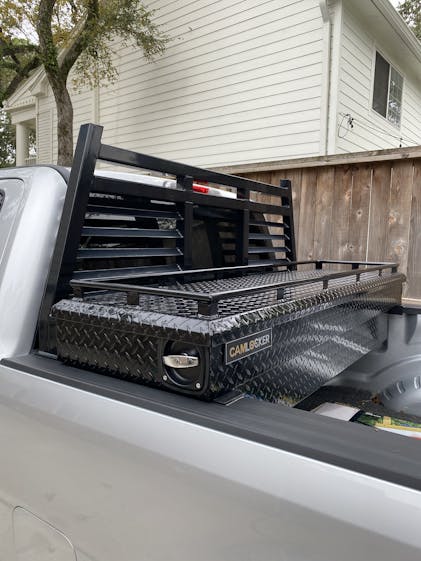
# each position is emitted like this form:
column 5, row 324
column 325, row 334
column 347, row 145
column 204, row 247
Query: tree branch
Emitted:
column 73, row 9
column 12, row 49
column 10, row 65
column 82, row 38
column 20, row 77
column 15, row 59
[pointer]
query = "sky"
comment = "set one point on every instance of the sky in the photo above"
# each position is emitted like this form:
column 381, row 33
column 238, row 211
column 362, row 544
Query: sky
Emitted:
column 394, row 2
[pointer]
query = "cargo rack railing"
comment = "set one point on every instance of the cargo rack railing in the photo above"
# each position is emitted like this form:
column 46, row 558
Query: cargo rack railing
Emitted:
column 208, row 302
column 83, row 184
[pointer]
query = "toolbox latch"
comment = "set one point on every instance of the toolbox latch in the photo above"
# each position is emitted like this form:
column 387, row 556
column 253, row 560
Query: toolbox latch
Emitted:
column 180, row 361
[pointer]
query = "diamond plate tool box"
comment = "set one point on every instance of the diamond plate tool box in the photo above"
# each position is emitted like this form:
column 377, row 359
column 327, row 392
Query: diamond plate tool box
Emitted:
column 276, row 335
column 188, row 281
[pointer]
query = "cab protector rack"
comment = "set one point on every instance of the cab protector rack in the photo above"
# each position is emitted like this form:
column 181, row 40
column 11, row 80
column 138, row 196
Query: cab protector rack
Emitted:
column 237, row 229
column 253, row 319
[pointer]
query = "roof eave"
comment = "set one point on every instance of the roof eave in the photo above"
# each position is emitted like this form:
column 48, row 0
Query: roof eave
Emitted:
column 399, row 25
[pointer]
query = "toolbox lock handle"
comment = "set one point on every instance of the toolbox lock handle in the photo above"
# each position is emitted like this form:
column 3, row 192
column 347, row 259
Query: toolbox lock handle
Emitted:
column 180, row 361
column 184, row 366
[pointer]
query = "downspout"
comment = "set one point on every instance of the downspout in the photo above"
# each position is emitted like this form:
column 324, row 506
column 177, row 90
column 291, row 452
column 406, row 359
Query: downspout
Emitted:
column 325, row 96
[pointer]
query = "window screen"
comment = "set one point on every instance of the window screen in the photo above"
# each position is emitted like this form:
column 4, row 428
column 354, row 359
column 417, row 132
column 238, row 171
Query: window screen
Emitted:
column 387, row 93
column 395, row 97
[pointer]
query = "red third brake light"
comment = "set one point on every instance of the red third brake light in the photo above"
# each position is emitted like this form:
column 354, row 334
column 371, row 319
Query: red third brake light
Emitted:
column 200, row 188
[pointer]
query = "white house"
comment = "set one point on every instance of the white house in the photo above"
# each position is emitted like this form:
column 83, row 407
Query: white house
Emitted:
column 250, row 81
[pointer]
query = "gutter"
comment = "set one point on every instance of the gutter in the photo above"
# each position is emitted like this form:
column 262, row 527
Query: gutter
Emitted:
column 324, row 109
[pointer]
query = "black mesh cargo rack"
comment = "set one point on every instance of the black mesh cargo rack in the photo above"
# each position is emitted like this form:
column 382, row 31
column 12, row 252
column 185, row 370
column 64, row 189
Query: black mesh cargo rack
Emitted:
column 221, row 291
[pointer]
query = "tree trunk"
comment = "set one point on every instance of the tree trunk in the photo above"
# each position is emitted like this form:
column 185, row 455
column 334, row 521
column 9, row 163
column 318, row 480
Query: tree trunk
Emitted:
column 64, row 124
column 57, row 76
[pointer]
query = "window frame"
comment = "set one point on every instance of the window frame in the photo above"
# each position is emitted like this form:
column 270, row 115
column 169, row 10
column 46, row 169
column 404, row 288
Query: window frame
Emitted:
column 399, row 73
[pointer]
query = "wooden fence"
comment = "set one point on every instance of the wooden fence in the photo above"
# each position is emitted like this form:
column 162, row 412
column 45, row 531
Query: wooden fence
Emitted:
column 365, row 206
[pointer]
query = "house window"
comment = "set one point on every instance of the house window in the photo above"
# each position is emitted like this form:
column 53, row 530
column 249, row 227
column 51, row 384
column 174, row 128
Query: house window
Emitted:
column 387, row 93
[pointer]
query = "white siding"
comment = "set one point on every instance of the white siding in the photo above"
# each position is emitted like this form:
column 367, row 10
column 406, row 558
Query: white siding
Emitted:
column 371, row 131
column 44, row 134
column 412, row 112
column 239, row 83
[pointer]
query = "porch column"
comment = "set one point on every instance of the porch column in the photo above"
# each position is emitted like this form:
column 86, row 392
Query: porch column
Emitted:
column 22, row 144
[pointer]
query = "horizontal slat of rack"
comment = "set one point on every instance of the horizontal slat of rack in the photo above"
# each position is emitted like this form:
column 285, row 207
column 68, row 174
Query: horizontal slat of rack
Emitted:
column 101, row 253
column 106, row 185
column 129, row 233
column 127, row 157
column 138, row 213
column 268, row 237
column 269, row 224
column 263, row 250
column 131, row 201
column 124, row 272
column 268, row 262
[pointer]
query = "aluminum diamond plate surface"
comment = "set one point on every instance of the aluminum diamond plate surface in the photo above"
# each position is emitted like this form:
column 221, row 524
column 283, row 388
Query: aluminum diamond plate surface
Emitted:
column 315, row 335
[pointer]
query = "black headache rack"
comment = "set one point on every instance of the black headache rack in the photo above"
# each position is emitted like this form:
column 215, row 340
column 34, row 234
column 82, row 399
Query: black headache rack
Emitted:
column 213, row 300
column 114, row 228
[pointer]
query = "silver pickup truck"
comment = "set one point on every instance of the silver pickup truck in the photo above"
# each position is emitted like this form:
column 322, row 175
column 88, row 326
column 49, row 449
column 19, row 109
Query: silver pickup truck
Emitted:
column 98, row 468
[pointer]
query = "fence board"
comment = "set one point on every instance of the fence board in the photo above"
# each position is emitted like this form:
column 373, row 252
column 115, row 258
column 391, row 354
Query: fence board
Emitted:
column 305, row 247
column 323, row 210
column 414, row 253
column 360, row 206
column 341, row 212
column 400, row 213
column 379, row 212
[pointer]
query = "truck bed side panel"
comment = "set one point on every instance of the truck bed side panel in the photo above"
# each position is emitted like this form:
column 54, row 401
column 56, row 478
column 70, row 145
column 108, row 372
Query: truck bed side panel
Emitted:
column 128, row 483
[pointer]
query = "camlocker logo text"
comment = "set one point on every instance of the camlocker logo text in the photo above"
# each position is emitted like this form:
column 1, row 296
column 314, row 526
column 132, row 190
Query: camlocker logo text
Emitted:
column 246, row 346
